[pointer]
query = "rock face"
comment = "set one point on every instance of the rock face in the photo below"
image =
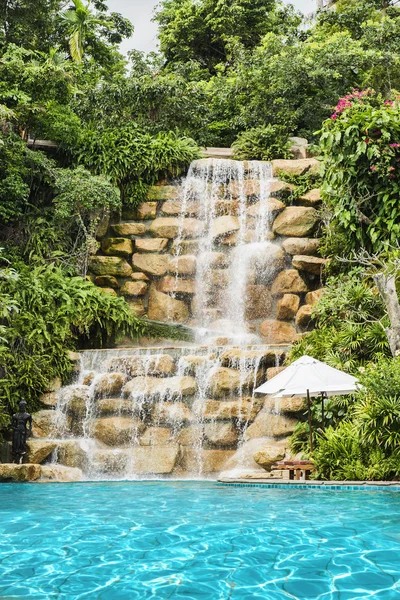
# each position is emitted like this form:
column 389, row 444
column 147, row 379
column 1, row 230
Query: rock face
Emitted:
column 117, row 247
column 165, row 308
column 270, row 425
column 312, row 264
column 277, row 332
column 19, row 473
column 183, row 265
column 296, row 221
column 171, row 387
column 154, row 460
column 152, row 264
column 109, row 265
column 60, row 473
column 223, row 381
column 39, row 450
column 117, row 431
column 225, row 225
column 304, row 246
column 170, row 227
column 288, row 282
column 288, row 306
column 221, row 434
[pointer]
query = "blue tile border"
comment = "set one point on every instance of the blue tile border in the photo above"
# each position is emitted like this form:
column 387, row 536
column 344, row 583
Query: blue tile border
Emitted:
column 320, row 486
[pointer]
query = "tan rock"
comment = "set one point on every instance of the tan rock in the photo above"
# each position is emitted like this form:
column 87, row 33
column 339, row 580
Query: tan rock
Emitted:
column 221, row 433
column 192, row 435
column 165, row 308
column 39, row 450
column 192, row 364
column 168, row 387
column 223, row 226
column 175, row 208
column 288, row 306
column 175, row 285
column 54, row 385
column 49, row 399
column 244, row 409
column 134, row 366
column 204, row 461
column 44, row 423
column 71, row 454
column 223, row 381
column 285, row 405
column 274, row 371
column 60, row 473
column 110, row 384
column 277, row 332
column 110, row 462
column 236, row 357
column 139, row 277
column 172, row 413
column 311, row 264
column 109, row 291
column 171, row 227
column 134, row 288
column 312, row 198
column 243, row 459
column 109, row 265
column 280, row 189
column 296, row 221
column 146, row 210
column 301, row 245
column 267, row 456
column 258, row 302
column 129, row 229
column 214, row 260
column 114, row 406
column 304, row 316
column 18, row 473
column 154, row 460
column 185, row 247
column 270, row 425
column 313, row 297
column 288, row 282
column 117, row 431
column 117, row 247
column 102, row 225
column 183, row 265
column 217, row 278
column 152, row 264
column 162, row 192
column 136, row 307
column 157, row 436
column 151, row 244
column 107, row 281
column 269, row 206
column 295, row 167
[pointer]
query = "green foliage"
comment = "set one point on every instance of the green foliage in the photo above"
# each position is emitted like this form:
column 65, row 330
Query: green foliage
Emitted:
column 350, row 320
column 302, row 183
column 129, row 156
column 263, row 143
column 361, row 149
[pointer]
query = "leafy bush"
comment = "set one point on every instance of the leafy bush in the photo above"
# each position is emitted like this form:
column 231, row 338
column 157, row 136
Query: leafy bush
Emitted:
column 263, row 143
column 361, row 150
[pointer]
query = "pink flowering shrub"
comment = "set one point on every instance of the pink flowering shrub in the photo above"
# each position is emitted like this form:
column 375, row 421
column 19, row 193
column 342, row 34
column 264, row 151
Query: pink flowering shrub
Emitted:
column 360, row 144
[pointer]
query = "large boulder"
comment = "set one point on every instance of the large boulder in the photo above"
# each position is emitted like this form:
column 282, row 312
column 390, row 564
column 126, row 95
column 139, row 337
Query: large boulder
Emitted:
column 163, row 307
column 288, row 306
column 172, row 413
column 277, row 332
column 152, row 364
column 237, row 358
column 110, row 462
column 49, row 399
column 258, row 302
column 114, row 406
column 152, row 264
column 311, row 264
column 304, row 246
column 110, row 384
column 272, row 206
column 245, row 409
column 311, row 198
column 285, row 405
column 162, row 192
column 136, row 307
column 151, row 244
column 214, row 260
column 272, row 425
column 198, row 461
column 243, row 458
column 304, row 316
column 44, row 423
column 268, row 455
column 107, row 281
column 223, row 381
column 295, row 167
column 222, row 226
column 313, row 297
column 296, row 221
column 39, row 450
column 134, row 288
column 221, row 434
column 175, row 285
column 109, row 265
column 168, row 387
column 191, row 435
column 171, row 227
column 175, row 208
column 129, row 229
column 71, row 454
column 117, row 431
column 154, row 460
column 146, row 210
column 60, row 473
column 288, row 282
column 157, row 436
column 183, row 265
column 18, row 473
column 117, row 247
column 278, row 189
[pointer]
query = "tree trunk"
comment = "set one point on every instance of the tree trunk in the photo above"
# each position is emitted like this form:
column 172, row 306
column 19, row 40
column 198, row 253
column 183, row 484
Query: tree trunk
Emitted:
column 387, row 289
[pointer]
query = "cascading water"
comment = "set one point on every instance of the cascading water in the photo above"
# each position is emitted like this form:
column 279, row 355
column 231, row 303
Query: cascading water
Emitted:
column 184, row 411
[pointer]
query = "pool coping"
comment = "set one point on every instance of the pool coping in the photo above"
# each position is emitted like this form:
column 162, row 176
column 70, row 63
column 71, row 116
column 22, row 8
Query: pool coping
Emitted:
column 366, row 486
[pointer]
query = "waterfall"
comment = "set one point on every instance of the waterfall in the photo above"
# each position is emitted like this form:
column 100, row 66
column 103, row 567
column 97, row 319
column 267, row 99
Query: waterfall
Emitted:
column 184, row 411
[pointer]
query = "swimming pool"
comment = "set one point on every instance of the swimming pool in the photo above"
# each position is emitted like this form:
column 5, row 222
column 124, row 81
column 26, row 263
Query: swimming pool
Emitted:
column 195, row 540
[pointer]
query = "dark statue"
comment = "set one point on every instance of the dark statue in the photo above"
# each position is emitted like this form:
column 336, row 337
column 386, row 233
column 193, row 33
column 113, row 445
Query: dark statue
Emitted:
column 21, row 424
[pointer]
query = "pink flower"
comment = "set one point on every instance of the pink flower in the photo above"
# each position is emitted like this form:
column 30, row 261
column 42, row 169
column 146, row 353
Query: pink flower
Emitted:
column 396, row 145
column 373, row 168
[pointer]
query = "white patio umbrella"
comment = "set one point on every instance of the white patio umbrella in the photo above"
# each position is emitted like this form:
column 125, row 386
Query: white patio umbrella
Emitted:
column 308, row 376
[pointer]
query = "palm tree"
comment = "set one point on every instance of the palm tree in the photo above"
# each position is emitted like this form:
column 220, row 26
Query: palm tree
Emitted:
column 80, row 21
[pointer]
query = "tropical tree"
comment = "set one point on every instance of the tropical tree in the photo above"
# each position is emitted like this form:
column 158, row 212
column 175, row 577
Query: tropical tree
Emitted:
column 80, row 21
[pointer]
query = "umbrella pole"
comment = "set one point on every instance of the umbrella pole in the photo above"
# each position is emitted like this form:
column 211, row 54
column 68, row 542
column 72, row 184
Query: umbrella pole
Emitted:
column 323, row 411
column 309, row 420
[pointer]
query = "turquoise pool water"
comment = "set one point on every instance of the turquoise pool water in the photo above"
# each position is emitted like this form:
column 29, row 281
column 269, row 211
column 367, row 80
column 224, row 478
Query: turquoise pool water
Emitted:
column 161, row 540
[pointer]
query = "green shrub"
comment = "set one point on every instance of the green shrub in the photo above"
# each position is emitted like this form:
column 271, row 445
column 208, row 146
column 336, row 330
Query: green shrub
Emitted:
column 263, row 143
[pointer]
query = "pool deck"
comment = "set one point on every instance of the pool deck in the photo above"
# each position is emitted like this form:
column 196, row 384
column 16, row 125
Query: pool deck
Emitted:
column 392, row 486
